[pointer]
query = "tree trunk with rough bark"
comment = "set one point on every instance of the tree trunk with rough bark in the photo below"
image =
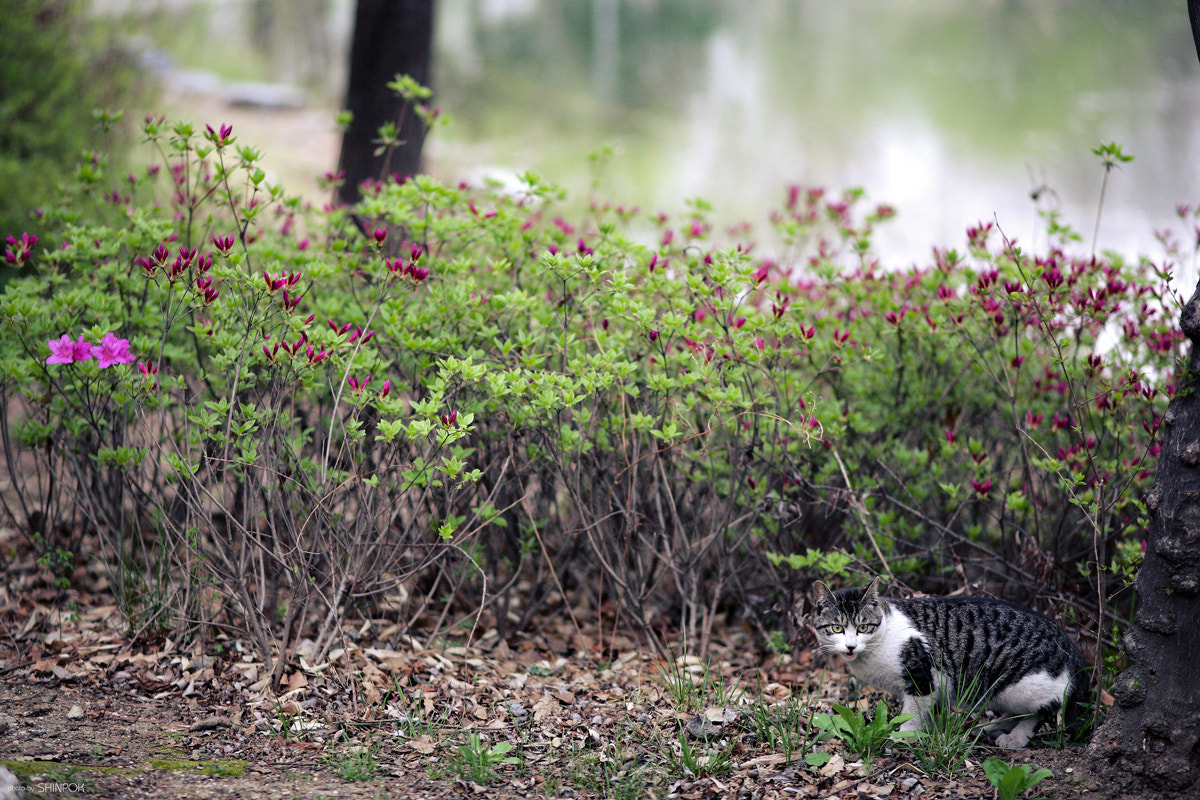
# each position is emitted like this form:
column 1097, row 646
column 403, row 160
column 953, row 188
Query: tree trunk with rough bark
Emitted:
column 391, row 37
column 1151, row 738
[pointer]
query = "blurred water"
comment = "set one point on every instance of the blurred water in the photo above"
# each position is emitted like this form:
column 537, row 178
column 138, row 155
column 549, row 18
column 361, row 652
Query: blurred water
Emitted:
column 951, row 110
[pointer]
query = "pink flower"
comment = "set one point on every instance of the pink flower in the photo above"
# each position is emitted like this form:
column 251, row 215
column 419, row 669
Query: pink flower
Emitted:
column 112, row 350
column 387, row 387
column 62, row 351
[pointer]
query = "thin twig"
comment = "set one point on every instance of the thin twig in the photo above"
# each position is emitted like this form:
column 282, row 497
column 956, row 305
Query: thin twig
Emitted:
column 861, row 512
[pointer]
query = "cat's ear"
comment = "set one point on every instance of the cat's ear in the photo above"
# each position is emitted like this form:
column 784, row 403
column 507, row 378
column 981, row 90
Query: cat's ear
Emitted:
column 871, row 593
column 822, row 594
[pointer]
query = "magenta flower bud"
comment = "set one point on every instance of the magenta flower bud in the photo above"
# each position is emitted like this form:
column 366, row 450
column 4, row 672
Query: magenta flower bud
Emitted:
column 387, row 387
column 983, row 488
column 416, row 252
column 654, row 336
column 311, row 317
column 380, row 235
column 1053, row 277
column 951, row 436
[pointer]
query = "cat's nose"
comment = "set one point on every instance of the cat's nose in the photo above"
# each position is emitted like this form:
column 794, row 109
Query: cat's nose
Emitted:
column 850, row 648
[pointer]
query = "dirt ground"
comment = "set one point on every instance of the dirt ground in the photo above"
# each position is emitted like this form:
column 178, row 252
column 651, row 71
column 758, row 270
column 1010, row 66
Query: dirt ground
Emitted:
column 131, row 733
column 557, row 712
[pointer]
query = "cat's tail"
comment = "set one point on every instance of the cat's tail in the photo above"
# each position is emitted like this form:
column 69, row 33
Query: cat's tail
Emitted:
column 1077, row 712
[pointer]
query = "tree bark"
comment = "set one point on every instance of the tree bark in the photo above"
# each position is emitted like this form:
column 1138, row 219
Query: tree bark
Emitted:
column 1151, row 738
column 391, row 37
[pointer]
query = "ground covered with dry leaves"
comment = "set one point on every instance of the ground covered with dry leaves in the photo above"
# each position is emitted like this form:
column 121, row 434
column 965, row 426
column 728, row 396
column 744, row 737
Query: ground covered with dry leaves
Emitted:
column 560, row 712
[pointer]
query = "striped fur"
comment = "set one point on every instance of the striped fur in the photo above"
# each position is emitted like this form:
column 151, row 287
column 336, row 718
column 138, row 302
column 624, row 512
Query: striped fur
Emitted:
column 1022, row 662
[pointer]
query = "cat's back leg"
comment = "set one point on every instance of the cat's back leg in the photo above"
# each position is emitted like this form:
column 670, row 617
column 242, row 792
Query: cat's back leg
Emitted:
column 1033, row 699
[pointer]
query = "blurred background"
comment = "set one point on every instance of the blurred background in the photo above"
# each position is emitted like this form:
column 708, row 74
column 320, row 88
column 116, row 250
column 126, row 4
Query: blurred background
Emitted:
column 953, row 111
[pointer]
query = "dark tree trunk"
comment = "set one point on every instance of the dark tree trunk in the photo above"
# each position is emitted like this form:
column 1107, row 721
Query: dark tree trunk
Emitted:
column 1152, row 735
column 391, row 37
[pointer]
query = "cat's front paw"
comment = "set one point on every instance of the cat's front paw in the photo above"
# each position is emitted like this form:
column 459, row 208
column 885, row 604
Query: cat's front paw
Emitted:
column 1012, row 741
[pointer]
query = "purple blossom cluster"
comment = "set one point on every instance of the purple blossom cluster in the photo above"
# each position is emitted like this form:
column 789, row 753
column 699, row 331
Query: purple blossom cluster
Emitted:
column 23, row 249
column 109, row 352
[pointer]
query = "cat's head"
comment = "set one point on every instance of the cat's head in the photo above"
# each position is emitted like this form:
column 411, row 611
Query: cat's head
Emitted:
column 846, row 621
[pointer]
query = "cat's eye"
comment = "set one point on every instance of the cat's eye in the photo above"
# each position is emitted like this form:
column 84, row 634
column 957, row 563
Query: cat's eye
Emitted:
column 837, row 628
column 867, row 628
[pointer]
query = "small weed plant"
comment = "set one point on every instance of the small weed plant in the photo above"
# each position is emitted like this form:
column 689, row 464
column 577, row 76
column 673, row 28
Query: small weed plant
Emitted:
column 866, row 737
column 358, row 762
column 693, row 685
column 695, row 759
column 477, row 762
column 1013, row 782
column 607, row 774
column 785, row 727
column 951, row 732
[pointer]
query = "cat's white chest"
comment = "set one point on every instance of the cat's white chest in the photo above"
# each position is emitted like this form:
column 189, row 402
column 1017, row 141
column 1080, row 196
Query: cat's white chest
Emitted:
column 880, row 663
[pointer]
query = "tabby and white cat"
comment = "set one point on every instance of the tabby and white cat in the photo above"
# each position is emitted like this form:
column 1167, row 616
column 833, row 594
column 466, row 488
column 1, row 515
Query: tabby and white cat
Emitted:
column 1024, row 664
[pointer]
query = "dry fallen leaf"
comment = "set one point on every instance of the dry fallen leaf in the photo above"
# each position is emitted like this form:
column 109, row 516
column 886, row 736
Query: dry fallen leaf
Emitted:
column 833, row 767
column 422, row 744
column 296, row 680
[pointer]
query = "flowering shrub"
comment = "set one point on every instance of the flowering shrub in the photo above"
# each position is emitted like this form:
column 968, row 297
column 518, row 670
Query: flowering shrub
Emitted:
column 450, row 398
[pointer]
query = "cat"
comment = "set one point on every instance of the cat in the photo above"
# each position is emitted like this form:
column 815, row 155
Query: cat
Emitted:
column 1024, row 664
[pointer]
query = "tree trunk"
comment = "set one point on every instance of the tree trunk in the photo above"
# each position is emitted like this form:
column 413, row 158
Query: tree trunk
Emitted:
column 1152, row 735
column 391, row 37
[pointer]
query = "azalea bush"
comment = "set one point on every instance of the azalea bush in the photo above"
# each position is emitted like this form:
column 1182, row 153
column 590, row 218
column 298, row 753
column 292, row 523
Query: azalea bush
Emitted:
column 451, row 404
